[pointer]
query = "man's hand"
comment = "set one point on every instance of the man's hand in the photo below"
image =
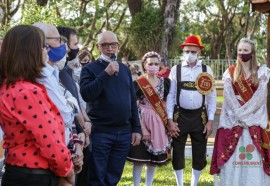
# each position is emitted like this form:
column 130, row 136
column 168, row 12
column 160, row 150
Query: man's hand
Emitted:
column 136, row 139
column 68, row 180
column 112, row 68
column 87, row 142
column 208, row 128
column 87, row 128
column 173, row 130
column 78, row 161
column 81, row 137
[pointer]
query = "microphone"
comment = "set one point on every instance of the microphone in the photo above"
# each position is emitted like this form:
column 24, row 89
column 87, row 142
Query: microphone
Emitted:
column 113, row 59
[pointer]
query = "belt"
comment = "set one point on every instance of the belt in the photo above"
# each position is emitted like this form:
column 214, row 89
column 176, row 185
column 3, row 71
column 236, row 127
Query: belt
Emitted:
column 190, row 110
column 28, row 170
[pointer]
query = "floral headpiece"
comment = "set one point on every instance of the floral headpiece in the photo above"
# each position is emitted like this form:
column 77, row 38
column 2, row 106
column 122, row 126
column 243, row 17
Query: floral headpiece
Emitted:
column 247, row 40
column 151, row 54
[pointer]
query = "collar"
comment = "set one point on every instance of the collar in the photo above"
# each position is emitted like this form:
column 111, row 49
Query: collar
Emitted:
column 49, row 70
column 198, row 64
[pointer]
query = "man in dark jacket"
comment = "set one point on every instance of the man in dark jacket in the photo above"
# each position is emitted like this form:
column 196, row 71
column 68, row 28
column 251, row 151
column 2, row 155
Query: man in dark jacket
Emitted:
column 106, row 85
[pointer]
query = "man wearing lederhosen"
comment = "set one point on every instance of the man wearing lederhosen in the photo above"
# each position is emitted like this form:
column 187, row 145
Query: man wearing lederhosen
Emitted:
column 196, row 101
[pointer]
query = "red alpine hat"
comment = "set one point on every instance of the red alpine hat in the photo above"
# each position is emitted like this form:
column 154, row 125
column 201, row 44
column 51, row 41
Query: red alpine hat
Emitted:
column 193, row 41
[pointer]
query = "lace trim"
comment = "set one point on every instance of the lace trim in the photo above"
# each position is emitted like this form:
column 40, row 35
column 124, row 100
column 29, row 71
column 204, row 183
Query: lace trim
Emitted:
column 252, row 113
column 157, row 152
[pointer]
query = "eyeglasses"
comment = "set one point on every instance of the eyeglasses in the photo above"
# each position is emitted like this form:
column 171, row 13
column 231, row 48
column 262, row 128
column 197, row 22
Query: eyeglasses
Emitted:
column 85, row 61
column 113, row 45
column 59, row 39
column 190, row 51
column 151, row 64
column 63, row 39
column 46, row 46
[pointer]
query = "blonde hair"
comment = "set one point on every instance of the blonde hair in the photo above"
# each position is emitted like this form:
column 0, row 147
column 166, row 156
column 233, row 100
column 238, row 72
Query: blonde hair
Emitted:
column 253, row 64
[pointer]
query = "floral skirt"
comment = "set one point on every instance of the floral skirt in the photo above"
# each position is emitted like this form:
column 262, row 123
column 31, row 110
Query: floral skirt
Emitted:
column 153, row 151
column 245, row 167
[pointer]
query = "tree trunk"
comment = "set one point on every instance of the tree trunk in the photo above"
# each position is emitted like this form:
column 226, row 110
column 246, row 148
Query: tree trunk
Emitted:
column 170, row 17
column 42, row 2
column 135, row 6
column 216, row 43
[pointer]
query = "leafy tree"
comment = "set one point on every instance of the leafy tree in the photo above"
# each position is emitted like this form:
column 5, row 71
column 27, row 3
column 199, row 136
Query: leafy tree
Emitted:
column 145, row 31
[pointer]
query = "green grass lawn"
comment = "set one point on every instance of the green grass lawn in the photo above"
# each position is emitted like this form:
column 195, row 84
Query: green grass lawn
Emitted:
column 165, row 175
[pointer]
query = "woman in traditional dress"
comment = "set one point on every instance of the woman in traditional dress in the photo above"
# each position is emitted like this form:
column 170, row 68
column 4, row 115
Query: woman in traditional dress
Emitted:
column 151, row 92
column 241, row 156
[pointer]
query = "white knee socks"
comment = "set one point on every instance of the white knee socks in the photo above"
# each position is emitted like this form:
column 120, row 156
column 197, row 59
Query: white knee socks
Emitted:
column 137, row 172
column 179, row 177
column 150, row 173
column 195, row 177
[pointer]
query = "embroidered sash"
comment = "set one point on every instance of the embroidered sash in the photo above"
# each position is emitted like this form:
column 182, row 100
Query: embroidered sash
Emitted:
column 246, row 93
column 242, row 86
column 153, row 98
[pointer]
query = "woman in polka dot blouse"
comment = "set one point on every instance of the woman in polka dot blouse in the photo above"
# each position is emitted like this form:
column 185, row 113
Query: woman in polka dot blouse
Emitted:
column 33, row 127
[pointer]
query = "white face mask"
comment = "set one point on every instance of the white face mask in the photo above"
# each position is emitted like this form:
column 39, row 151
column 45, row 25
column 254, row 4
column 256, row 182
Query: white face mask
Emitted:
column 106, row 58
column 77, row 73
column 72, row 64
column 190, row 58
column 61, row 64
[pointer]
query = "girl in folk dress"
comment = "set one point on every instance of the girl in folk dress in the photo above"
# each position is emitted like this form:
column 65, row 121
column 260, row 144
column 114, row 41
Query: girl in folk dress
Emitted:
column 152, row 151
column 239, row 156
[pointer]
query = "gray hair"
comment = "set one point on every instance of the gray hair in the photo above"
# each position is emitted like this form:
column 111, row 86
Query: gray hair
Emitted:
column 101, row 35
column 43, row 26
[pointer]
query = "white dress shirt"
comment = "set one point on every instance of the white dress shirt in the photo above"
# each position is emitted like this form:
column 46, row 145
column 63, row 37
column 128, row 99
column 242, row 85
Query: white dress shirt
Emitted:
column 56, row 94
column 190, row 99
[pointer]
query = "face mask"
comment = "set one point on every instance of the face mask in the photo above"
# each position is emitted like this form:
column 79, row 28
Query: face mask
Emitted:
column 77, row 73
column 245, row 57
column 61, row 64
column 107, row 58
column 72, row 64
column 152, row 70
column 73, row 53
column 190, row 58
column 83, row 64
column 57, row 53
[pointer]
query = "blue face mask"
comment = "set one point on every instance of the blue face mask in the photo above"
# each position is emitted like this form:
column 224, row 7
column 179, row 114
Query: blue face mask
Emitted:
column 57, row 53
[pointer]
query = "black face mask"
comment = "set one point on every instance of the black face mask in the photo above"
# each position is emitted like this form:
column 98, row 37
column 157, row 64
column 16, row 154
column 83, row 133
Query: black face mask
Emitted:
column 72, row 54
column 83, row 64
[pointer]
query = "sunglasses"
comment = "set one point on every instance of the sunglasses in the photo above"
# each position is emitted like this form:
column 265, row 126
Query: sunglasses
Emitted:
column 151, row 64
column 190, row 51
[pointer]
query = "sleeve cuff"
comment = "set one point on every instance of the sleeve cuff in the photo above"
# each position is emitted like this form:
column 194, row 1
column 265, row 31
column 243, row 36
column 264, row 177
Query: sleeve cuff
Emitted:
column 103, row 76
column 170, row 115
column 211, row 116
column 137, row 130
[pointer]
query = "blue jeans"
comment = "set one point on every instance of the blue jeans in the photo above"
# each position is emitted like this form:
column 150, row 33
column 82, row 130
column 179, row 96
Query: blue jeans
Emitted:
column 107, row 158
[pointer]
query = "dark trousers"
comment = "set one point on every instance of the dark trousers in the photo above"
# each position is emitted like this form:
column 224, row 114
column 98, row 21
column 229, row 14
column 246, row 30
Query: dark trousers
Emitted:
column 14, row 176
column 107, row 158
column 190, row 123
